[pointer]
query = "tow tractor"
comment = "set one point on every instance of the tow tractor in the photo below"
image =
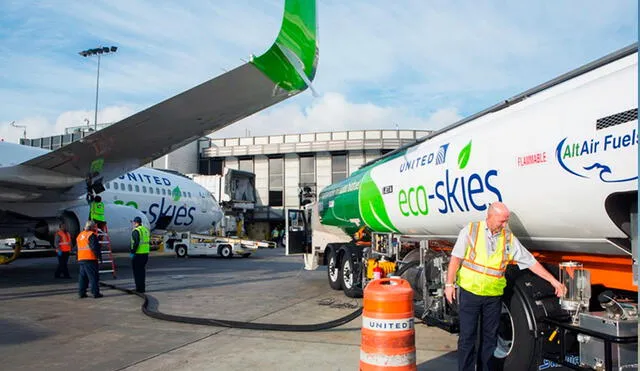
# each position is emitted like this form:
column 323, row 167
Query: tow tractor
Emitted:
column 190, row 244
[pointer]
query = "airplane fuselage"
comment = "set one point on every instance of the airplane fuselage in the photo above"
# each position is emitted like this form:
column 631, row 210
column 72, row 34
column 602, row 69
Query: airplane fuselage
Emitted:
column 166, row 199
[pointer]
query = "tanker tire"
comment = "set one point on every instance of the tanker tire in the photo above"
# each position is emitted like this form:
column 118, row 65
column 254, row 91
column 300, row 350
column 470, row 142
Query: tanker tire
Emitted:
column 333, row 271
column 523, row 352
column 411, row 272
column 181, row 251
column 349, row 275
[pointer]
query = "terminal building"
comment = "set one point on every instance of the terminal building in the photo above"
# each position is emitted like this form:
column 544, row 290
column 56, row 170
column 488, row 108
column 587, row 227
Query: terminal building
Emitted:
column 284, row 165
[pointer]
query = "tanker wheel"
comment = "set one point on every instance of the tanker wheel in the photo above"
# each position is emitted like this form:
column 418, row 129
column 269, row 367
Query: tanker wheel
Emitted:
column 350, row 276
column 333, row 271
column 517, row 348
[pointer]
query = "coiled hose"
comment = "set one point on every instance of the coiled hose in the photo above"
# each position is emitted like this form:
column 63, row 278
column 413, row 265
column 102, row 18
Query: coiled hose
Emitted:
column 153, row 313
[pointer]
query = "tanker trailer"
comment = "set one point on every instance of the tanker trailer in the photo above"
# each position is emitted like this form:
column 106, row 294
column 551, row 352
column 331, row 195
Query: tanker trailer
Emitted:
column 563, row 157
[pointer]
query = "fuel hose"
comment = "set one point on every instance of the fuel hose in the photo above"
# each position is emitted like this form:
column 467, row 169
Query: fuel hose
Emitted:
column 154, row 313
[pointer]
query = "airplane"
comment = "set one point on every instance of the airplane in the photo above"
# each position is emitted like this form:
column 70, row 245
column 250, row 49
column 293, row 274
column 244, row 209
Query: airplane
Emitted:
column 164, row 200
column 39, row 188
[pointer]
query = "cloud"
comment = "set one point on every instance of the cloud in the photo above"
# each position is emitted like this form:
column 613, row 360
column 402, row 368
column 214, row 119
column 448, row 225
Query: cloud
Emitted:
column 40, row 126
column 333, row 112
column 380, row 64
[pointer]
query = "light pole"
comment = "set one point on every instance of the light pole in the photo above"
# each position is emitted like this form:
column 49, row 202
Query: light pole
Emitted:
column 98, row 51
column 24, row 133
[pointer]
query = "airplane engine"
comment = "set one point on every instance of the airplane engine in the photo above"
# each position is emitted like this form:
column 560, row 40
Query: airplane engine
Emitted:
column 118, row 217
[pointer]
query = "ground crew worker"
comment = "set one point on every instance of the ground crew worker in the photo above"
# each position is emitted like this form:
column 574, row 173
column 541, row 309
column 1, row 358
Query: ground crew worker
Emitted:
column 62, row 243
column 96, row 212
column 274, row 235
column 88, row 257
column 482, row 251
column 139, row 253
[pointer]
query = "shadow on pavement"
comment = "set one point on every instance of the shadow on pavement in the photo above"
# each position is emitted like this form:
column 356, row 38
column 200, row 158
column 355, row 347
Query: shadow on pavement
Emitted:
column 448, row 361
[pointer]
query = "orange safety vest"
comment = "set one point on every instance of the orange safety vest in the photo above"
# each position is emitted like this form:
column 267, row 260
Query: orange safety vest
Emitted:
column 65, row 241
column 84, row 250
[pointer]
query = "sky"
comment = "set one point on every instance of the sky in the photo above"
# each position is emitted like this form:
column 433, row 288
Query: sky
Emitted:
column 383, row 64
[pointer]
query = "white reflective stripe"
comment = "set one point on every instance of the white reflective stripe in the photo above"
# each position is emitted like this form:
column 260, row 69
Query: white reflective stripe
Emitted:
column 473, row 237
column 377, row 359
column 481, row 269
column 401, row 324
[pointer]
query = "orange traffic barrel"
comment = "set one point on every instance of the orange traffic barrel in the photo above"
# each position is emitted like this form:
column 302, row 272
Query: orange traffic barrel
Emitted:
column 388, row 336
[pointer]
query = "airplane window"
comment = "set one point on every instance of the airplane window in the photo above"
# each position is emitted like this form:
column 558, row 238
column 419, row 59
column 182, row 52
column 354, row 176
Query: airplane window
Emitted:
column 184, row 194
column 151, row 190
column 107, row 186
column 189, row 194
column 129, row 188
column 164, row 192
column 137, row 188
column 158, row 190
column 115, row 185
column 144, row 189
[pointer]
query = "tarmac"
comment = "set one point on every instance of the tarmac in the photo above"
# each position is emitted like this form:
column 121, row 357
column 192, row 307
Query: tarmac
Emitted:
column 44, row 325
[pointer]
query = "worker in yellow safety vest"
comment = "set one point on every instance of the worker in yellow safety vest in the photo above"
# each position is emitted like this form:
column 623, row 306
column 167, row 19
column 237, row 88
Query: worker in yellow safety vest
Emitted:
column 96, row 212
column 62, row 243
column 139, row 252
column 477, row 267
column 88, row 257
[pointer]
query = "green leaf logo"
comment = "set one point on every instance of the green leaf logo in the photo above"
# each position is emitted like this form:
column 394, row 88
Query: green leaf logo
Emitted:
column 463, row 157
column 372, row 208
column 176, row 193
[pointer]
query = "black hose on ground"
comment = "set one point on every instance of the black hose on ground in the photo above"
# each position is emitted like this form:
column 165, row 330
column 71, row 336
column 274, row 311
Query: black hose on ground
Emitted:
column 153, row 313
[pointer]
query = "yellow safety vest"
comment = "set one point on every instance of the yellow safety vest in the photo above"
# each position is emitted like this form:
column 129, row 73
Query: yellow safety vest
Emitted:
column 97, row 211
column 143, row 247
column 480, row 273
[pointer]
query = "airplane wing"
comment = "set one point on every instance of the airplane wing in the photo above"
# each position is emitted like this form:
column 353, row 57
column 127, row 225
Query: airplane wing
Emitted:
column 286, row 69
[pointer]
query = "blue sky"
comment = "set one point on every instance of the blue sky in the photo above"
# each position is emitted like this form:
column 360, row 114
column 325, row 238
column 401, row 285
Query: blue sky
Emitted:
column 383, row 64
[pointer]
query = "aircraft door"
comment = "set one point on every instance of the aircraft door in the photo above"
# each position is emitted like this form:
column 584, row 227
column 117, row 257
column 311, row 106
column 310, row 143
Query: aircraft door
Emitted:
column 297, row 241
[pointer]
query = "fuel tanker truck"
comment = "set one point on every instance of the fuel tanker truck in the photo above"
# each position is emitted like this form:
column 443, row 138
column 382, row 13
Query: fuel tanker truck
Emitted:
column 563, row 157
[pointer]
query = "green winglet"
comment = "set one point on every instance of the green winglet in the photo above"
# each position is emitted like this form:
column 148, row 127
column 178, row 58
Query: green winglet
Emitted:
column 292, row 60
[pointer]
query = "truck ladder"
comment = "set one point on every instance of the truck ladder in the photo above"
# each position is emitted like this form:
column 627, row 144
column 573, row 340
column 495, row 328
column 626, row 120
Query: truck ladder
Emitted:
column 108, row 264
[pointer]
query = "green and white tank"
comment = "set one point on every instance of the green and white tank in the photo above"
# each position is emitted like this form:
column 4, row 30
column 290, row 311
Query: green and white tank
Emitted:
column 564, row 160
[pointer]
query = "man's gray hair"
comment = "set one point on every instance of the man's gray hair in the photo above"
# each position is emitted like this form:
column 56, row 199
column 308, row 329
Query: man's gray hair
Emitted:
column 89, row 225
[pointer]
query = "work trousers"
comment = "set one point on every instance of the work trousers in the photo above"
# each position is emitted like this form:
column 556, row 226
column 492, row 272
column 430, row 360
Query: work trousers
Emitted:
column 63, row 268
column 139, row 264
column 474, row 308
column 88, row 274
